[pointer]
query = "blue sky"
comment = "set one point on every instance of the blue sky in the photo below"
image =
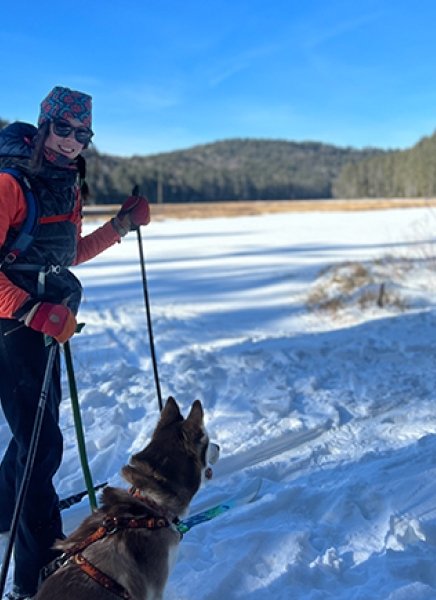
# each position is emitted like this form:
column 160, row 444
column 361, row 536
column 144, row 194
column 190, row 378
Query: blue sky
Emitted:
column 167, row 74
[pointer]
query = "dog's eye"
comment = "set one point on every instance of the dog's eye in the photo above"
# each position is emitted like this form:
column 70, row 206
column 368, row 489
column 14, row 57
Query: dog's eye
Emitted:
column 201, row 438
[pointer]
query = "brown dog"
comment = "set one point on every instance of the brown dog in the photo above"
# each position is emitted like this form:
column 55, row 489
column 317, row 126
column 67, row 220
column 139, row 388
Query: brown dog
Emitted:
column 127, row 547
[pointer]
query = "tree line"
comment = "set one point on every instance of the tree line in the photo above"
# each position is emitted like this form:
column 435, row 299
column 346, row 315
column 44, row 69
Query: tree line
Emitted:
column 238, row 169
column 395, row 174
column 258, row 169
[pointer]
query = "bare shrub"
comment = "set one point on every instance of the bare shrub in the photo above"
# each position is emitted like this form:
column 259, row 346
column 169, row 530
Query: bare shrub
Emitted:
column 362, row 285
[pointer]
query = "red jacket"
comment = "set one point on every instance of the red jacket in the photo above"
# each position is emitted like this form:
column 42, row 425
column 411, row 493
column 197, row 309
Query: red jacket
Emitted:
column 13, row 210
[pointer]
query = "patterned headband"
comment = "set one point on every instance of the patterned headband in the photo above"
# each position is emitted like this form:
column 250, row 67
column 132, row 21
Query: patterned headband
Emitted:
column 64, row 103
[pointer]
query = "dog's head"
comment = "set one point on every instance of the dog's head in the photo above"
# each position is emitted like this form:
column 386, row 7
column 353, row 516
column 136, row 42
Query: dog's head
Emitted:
column 172, row 466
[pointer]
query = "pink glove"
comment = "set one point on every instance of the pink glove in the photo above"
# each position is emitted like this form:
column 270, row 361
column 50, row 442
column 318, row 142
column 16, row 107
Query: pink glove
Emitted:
column 134, row 212
column 55, row 320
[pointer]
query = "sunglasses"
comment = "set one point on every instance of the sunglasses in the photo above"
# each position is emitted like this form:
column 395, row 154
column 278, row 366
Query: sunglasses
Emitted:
column 63, row 129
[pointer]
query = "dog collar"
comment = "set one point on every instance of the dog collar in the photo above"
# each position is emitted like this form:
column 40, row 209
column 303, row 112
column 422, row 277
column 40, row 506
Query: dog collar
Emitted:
column 173, row 520
column 149, row 503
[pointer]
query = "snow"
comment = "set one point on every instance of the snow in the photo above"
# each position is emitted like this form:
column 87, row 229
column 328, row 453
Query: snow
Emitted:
column 330, row 405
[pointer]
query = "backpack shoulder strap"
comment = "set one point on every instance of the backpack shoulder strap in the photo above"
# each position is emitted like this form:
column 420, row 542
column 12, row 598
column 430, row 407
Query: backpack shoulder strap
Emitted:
column 26, row 233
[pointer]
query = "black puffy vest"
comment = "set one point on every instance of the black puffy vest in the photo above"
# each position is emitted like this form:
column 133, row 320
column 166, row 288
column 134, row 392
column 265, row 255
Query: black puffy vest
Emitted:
column 41, row 270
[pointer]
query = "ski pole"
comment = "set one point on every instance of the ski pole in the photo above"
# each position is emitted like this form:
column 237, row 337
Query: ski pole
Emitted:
column 79, row 427
column 135, row 192
column 65, row 503
column 28, row 468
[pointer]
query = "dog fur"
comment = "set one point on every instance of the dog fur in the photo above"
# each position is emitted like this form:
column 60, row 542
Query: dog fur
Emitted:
column 166, row 474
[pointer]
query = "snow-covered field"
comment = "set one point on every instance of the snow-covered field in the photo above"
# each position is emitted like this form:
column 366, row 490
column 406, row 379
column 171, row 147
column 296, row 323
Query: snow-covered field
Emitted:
column 334, row 410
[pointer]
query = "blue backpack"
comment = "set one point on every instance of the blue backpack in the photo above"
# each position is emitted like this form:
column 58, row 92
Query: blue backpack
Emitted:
column 26, row 234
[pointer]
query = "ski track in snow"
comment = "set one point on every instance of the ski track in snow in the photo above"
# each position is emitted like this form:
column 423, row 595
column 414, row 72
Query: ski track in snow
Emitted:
column 335, row 415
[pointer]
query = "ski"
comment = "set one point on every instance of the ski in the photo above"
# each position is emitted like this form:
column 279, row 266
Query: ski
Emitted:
column 65, row 503
column 245, row 496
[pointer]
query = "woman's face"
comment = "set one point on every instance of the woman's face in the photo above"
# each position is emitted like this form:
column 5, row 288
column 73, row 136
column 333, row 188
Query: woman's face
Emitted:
column 65, row 145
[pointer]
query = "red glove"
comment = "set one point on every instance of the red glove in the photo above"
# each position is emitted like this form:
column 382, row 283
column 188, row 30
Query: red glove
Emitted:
column 55, row 320
column 134, row 212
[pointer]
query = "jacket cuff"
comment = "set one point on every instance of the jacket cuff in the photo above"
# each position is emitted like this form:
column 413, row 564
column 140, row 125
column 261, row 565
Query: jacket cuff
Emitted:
column 119, row 227
column 24, row 309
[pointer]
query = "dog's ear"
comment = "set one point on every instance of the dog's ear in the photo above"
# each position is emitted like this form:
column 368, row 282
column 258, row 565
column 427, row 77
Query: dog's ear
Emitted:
column 170, row 413
column 196, row 414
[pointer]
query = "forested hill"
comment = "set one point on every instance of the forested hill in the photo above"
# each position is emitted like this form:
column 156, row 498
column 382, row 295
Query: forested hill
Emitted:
column 252, row 169
column 238, row 169
column 406, row 173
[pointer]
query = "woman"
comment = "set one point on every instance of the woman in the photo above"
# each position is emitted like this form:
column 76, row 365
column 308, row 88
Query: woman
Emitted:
column 39, row 299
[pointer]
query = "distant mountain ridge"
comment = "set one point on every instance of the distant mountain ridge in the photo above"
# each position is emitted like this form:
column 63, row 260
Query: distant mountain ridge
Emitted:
column 262, row 169
column 236, row 169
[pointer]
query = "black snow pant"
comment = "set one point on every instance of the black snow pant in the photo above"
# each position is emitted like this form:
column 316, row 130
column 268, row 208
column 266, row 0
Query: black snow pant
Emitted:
column 23, row 357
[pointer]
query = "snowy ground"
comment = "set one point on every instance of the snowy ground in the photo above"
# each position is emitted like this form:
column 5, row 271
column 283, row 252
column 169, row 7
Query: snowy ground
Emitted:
column 334, row 410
